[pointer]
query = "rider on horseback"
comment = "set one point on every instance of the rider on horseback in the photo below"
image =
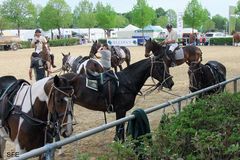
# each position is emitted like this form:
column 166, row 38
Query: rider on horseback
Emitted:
column 171, row 40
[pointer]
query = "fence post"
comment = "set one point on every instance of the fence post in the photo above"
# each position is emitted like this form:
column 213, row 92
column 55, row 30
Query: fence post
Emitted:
column 49, row 155
column 179, row 107
column 235, row 86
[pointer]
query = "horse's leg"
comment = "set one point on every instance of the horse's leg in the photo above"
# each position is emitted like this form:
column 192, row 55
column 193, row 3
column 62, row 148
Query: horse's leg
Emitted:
column 120, row 128
column 120, row 67
column 2, row 147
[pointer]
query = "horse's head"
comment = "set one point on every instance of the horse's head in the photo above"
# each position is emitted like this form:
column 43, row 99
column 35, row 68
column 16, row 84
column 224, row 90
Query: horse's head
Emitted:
column 60, row 106
column 154, row 47
column 96, row 45
column 159, row 72
column 195, row 74
column 65, row 62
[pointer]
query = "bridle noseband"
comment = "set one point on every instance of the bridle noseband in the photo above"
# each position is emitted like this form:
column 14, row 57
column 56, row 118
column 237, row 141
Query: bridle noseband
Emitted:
column 192, row 78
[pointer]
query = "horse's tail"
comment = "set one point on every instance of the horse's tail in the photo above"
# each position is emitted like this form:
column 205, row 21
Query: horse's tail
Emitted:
column 200, row 54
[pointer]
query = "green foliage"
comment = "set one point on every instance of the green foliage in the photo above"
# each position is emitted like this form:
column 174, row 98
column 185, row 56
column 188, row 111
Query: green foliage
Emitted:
column 55, row 14
column 221, row 41
column 54, row 43
column 121, row 21
column 83, row 15
column 208, row 25
column 162, row 21
column 172, row 17
column 160, row 12
column 237, row 28
column 106, row 17
column 143, row 15
column 220, row 22
column 195, row 15
column 18, row 12
column 102, row 41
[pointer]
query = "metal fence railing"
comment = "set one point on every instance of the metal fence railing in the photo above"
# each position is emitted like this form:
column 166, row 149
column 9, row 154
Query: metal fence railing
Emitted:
column 48, row 149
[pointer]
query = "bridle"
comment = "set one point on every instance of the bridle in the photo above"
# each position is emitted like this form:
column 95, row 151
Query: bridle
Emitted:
column 54, row 116
column 67, row 66
column 192, row 78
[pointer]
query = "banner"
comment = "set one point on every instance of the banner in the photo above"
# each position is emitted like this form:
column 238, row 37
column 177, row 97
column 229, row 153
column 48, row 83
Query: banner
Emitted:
column 180, row 23
column 122, row 42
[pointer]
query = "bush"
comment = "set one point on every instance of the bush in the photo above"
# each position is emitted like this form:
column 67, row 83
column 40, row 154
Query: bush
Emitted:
column 208, row 129
column 25, row 44
column 221, row 41
column 64, row 42
column 102, row 41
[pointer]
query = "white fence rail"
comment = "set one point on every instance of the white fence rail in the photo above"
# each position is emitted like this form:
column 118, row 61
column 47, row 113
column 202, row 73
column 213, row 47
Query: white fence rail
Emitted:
column 48, row 149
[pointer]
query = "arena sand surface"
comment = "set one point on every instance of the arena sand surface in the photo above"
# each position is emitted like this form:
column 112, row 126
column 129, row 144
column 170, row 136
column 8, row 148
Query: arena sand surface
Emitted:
column 17, row 63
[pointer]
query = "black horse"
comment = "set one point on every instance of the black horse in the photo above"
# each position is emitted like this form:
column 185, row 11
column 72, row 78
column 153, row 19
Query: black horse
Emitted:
column 116, row 60
column 202, row 76
column 118, row 93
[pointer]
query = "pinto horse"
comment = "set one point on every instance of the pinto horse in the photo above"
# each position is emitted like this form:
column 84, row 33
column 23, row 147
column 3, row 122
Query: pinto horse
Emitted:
column 190, row 53
column 118, row 94
column 33, row 115
column 82, row 65
column 236, row 39
column 116, row 60
column 202, row 76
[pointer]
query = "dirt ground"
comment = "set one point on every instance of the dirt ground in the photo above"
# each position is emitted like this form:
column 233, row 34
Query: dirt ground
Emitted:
column 17, row 63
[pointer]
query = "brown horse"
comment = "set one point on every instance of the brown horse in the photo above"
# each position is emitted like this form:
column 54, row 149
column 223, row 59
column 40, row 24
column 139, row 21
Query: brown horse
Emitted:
column 118, row 91
column 202, row 76
column 32, row 116
column 190, row 53
column 116, row 60
column 236, row 39
column 45, row 55
column 82, row 65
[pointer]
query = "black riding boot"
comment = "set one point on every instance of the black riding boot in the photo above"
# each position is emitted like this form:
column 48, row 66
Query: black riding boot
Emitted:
column 52, row 61
column 171, row 55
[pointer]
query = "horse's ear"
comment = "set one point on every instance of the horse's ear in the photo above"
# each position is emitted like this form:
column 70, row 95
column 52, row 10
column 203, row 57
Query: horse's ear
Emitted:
column 69, row 53
column 63, row 54
column 150, row 39
column 56, row 81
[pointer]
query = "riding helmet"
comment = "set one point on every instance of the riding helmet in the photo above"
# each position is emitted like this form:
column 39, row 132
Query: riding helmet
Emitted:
column 168, row 26
column 37, row 31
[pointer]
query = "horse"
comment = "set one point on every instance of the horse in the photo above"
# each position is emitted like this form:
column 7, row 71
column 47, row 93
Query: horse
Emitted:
column 236, row 39
column 118, row 90
column 45, row 55
column 205, row 75
column 81, row 65
column 189, row 53
column 116, row 60
column 33, row 115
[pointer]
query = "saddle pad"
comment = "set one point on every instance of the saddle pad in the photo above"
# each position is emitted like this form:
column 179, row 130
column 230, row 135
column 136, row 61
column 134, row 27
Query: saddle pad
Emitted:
column 179, row 54
column 92, row 84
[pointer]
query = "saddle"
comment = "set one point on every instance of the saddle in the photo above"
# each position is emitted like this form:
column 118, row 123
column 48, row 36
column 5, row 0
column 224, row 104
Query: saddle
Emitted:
column 5, row 82
column 218, row 73
column 7, row 97
column 78, row 61
column 106, row 83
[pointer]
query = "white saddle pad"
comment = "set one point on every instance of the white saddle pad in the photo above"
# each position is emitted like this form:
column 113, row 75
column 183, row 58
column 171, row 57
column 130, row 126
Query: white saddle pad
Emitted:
column 179, row 54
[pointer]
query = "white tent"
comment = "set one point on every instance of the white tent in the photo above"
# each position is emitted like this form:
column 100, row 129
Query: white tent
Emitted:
column 149, row 31
column 127, row 32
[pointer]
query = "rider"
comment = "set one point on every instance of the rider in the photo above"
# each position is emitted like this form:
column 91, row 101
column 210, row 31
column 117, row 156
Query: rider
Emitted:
column 171, row 40
column 105, row 57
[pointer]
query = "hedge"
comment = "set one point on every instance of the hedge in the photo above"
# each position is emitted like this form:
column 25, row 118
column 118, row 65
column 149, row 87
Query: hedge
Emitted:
column 221, row 41
column 54, row 43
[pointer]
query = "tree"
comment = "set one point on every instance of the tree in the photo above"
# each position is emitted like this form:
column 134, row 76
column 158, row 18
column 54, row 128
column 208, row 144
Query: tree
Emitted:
column 55, row 14
column 237, row 10
column 160, row 12
column 106, row 17
column 84, row 17
column 121, row 21
column 162, row 21
column 195, row 15
column 220, row 22
column 208, row 25
column 143, row 14
column 237, row 28
column 19, row 12
column 172, row 17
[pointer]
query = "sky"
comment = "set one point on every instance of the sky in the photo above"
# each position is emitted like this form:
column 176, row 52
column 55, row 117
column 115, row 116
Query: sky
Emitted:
column 121, row 6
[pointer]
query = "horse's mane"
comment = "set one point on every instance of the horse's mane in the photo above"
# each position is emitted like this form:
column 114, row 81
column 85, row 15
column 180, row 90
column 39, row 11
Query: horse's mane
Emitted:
column 135, row 65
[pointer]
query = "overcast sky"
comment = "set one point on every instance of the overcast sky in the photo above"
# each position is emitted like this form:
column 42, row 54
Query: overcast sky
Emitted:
column 121, row 6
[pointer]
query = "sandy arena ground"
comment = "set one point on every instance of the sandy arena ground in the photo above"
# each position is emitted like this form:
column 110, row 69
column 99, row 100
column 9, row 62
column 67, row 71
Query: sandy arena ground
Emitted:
column 17, row 63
